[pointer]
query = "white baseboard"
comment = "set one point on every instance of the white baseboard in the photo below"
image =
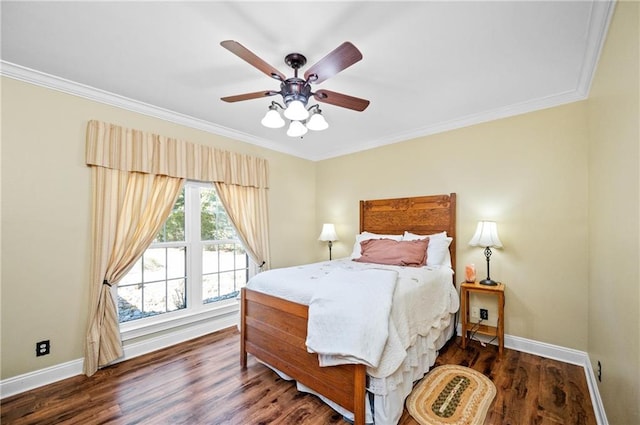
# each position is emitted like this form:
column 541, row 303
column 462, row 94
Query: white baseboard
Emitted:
column 49, row 375
column 556, row 352
column 38, row 378
column 28, row 381
column 596, row 400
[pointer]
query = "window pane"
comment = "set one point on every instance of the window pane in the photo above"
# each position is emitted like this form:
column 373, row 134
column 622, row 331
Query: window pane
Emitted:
column 241, row 278
column 176, row 262
column 154, row 264
column 129, row 302
column 225, row 269
column 227, row 257
column 154, row 297
column 210, row 259
column 134, row 275
column 177, row 291
column 214, row 221
column 208, row 214
column 210, row 289
column 173, row 229
column 227, row 283
column 241, row 257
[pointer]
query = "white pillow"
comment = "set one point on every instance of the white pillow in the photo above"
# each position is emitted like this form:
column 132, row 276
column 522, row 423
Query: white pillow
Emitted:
column 438, row 249
column 408, row 236
column 357, row 252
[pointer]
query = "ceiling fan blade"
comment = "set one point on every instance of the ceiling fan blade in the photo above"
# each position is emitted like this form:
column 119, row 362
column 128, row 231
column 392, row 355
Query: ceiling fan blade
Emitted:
column 247, row 55
column 343, row 100
column 248, row 96
column 339, row 59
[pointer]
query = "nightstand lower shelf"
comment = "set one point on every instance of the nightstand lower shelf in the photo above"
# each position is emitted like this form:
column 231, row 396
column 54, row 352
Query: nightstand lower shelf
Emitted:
column 469, row 326
column 482, row 329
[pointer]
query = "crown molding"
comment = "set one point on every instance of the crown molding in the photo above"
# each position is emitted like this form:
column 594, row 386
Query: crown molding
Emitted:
column 467, row 121
column 599, row 21
column 42, row 79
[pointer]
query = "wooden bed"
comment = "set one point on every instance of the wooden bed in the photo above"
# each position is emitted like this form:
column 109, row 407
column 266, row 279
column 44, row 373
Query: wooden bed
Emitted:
column 274, row 330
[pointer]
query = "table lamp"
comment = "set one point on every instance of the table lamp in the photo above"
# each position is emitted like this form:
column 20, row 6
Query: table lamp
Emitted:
column 328, row 234
column 486, row 236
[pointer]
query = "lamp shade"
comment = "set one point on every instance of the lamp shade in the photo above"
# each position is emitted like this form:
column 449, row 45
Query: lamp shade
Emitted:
column 486, row 235
column 296, row 111
column 296, row 129
column 272, row 119
column 317, row 122
column 328, row 233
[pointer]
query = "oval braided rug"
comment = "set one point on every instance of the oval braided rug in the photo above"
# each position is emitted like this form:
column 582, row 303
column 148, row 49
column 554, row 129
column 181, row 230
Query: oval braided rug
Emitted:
column 451, row 395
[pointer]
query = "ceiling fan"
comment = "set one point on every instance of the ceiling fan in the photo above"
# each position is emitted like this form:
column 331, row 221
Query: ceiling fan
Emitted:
column 296, row 92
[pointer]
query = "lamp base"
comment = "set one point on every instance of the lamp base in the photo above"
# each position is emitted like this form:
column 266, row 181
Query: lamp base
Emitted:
column 488, row 282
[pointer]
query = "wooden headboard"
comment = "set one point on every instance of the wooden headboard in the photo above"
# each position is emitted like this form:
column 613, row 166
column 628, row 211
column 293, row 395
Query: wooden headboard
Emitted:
column 422, row 215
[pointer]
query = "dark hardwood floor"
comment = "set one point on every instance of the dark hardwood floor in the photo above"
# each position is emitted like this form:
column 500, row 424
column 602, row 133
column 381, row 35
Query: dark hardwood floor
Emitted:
column 530, row 389
column 200, row 382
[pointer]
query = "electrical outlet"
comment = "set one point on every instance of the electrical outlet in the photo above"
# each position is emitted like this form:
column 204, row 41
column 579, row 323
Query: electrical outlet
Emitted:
column 484, row 314
column 43, row 348
column 475, row 312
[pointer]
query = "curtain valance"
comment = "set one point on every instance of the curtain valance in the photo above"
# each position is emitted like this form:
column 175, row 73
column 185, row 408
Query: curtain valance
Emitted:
column 119, row 148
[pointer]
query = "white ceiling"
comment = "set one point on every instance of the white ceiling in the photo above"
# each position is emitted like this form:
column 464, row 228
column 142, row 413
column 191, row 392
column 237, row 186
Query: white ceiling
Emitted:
column 427, row 67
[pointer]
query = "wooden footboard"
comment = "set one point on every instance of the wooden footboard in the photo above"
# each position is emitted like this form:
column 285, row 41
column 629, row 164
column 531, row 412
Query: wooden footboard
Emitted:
column 275, row 330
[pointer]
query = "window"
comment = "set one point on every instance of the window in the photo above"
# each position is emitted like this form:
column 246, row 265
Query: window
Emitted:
column 195, row 264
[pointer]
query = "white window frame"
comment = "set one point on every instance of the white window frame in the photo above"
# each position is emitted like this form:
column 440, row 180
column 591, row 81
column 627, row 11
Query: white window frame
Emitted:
column 196, row 310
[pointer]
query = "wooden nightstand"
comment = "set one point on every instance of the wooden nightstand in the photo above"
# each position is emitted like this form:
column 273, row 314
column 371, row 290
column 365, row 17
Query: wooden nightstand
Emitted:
column 467, row 325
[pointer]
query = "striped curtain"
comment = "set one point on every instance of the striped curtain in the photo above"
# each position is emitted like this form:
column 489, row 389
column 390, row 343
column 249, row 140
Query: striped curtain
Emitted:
column 137, row 177
column 128, row 211
column 246, row 207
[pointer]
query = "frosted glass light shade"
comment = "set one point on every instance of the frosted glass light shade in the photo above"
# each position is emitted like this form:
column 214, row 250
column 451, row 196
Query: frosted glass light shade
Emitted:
column 272, row 119
column 486, row 235
column 328, row 233
column 296, row 129
column 317, row 122
column 296, row 111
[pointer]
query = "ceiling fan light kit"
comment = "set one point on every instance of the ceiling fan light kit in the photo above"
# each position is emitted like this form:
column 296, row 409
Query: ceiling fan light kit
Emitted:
column 296, row 110
column 313, row 121
column 272, row 118
column 317, row 121
column 296, row 129
column 296, row 92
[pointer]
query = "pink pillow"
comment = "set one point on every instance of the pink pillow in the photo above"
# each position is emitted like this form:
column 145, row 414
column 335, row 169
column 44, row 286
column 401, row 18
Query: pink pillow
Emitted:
column 394, row 253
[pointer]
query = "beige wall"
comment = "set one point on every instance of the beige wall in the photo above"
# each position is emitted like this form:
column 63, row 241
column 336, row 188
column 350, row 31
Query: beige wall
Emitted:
column 529, row 173
column 46, row 200
column 614, row 214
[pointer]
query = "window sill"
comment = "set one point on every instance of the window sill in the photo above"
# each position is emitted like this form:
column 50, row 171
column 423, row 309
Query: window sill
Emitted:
column 144, row 327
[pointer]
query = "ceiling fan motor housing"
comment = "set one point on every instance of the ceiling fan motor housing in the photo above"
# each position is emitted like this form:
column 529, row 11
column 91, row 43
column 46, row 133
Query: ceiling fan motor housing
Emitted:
column 295, row 89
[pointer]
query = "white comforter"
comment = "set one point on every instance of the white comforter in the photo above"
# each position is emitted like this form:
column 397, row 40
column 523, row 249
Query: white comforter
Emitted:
column 336, row 330
column 421, row 299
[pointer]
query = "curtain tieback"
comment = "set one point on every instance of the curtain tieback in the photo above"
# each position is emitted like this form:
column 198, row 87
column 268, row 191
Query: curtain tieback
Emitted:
column 104, row 282
column 262, row 264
